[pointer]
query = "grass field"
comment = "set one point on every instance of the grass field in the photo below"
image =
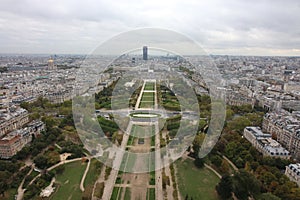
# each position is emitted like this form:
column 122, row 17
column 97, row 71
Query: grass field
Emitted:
column 148, row 94
column 197, row 183
column 127, row 195
column 131, row 140
column 146, row 104
column 128, row 162
column 149, row 86
column 153, row 140
column 93, row 172
column 147, row 100
column 151, row 194
column 69, row 182
column 117, row 191
column 142, row 131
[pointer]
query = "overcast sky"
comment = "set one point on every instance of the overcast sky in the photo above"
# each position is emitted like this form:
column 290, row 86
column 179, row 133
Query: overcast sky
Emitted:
column 233, row 27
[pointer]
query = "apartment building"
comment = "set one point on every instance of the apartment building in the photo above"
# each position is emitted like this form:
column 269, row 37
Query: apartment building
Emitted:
column 12, row 119
column 285, row 128
column 264, row 143
column 292, row 171
column 14, row 141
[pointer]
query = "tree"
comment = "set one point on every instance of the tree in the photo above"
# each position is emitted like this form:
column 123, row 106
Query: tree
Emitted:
column 41, row 162
column 240, row 163
column 245, row 185
column 229, row 114
column 60, row 169
column 238, row 124
column 224, row 188
column 199, row 162
column 224, row 166
column 216, row 160
column 268, row 196
column 4, row 176
column 197, row 143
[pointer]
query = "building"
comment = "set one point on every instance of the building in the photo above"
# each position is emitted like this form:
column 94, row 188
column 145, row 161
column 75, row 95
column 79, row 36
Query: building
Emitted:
column 145, row 53
column 12, row 119
column 264, row 143
column 10, row 145
column 292, row 171
column 14, row 141
column 36, row 127
column 285, row 128
column 51, row 65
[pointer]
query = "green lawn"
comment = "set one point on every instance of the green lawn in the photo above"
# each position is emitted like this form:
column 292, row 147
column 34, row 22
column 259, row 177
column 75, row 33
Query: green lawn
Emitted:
column 151, row 194
column 152, row 163
column 149, row 86
column 69, row 182
column 142, row 131
column 147, row 100
column 153, row 139
column 197, row 183
column 127, row 195
column 128, row 162
column 148, row 94
column 117, row 191
column 146, row 104
column 93, row 172
column 152, row 178
column 130, row 140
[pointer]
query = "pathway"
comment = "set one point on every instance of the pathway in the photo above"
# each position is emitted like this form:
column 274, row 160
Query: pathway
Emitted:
column 109, row 183
column 20, row 188
column 84, row 175
column 231, row 163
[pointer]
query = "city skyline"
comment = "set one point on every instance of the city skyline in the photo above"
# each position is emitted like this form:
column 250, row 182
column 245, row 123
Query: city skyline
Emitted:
column 259, row 28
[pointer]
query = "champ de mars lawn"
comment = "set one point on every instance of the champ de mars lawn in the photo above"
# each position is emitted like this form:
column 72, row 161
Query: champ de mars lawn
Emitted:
column 196, row 183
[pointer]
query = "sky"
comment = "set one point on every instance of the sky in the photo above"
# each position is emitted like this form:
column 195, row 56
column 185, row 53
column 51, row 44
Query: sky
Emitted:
column 227, row 27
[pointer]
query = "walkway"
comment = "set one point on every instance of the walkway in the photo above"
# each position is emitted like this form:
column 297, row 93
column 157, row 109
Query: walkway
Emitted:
column 20, row 188
column 109, row 183
column 84, row 175
column 231, row 163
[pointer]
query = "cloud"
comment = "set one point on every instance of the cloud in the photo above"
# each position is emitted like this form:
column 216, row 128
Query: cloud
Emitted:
column 225, row 27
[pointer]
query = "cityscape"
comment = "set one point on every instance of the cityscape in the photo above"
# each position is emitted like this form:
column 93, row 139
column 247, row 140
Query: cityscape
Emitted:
column 148, row 114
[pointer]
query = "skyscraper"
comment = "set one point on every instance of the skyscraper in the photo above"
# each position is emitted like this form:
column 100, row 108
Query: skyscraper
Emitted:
column 145, row 53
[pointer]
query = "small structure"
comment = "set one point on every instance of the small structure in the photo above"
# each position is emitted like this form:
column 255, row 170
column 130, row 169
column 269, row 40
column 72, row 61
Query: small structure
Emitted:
column 48, row 190
column 141, row 141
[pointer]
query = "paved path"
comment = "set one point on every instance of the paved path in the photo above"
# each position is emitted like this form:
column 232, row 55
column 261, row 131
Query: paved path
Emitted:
column 84, row 175
column 109, row 183
column 169, row 188
column 231, row 163
column 185, row 156
column 212, row 169
column 56, row 165
column 100, row 179
column 20, row 188
column 140, row 97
